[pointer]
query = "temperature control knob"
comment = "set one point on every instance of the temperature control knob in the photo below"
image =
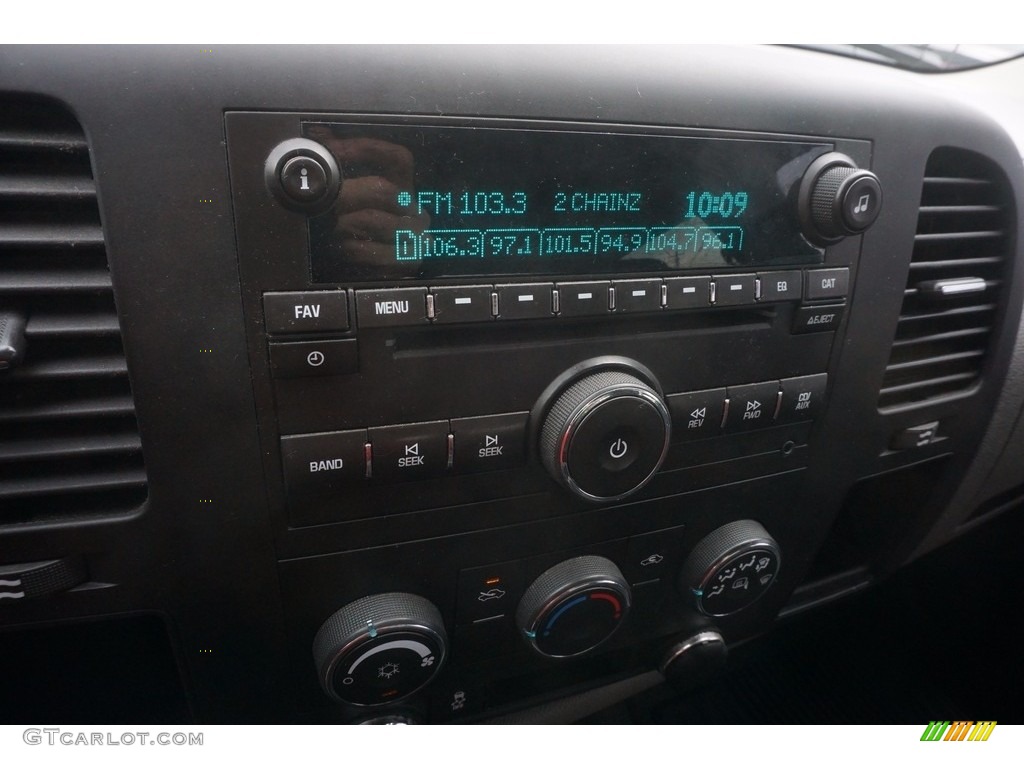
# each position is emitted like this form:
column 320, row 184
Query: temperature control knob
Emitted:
column 730, row 568
column 573, row 607
column 380, row 649
column 837, row 199
column 606, row 435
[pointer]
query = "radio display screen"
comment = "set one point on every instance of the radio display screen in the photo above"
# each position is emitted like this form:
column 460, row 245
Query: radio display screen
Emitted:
column 436, row 201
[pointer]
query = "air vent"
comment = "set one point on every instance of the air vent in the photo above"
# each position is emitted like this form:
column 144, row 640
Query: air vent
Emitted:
column 69, row 442
column 951, row 301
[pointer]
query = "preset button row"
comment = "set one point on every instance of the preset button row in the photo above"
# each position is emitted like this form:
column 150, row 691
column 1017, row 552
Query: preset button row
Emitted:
column 322, row 461
column 386, row 307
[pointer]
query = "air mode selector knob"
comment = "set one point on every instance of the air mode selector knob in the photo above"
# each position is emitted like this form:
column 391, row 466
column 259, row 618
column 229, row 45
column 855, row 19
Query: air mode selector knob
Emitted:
column 606, row 435
column 837, row 199
column 574, row 606
column 730, row 568
column 380, row 649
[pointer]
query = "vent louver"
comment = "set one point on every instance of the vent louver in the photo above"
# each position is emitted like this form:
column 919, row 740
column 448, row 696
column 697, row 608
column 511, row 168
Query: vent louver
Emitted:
column 951, row 301
column 69, row 442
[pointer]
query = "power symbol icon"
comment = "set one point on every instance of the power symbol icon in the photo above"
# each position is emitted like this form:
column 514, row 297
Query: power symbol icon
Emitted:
column 618, row 449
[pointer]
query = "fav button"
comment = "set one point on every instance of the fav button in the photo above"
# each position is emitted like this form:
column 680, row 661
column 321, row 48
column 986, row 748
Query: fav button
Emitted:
column 306, row 311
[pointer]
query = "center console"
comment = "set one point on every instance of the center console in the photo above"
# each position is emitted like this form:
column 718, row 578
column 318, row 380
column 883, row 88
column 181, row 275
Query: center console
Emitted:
column 533, row 397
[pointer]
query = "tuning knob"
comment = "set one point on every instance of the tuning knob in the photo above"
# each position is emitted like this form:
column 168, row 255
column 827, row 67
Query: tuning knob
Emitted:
column 837, row 199
column 573, row 607
column 380, row 649
column 730, row 568
column 606, row 435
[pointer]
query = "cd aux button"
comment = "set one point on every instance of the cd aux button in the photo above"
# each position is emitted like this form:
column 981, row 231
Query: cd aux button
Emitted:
column 803, row 397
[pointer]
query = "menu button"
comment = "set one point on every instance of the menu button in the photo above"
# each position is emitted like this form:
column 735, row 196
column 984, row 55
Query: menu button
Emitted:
column 392, row 306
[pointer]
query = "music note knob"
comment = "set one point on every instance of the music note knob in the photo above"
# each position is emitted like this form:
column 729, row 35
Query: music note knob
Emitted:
column 837, row 199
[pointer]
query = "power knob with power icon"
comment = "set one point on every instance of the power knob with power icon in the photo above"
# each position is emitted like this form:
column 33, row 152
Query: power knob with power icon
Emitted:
column 606, row 434
column 380, row 649
column 730, row 568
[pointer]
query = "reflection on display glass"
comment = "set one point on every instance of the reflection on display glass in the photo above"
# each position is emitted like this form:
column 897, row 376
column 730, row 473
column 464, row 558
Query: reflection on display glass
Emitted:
column 431, row 201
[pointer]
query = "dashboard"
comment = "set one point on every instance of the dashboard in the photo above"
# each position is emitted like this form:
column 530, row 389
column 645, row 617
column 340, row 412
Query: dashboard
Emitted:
column 431, row 384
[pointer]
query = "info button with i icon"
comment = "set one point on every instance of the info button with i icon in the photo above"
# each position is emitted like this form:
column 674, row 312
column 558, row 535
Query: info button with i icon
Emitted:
column 303, row 179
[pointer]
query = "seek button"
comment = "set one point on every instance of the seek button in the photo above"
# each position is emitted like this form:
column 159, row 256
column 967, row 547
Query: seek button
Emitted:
column 485, row 443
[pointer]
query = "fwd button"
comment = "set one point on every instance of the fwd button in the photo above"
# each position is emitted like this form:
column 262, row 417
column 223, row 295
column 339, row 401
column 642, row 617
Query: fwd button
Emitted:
column 752, row 406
